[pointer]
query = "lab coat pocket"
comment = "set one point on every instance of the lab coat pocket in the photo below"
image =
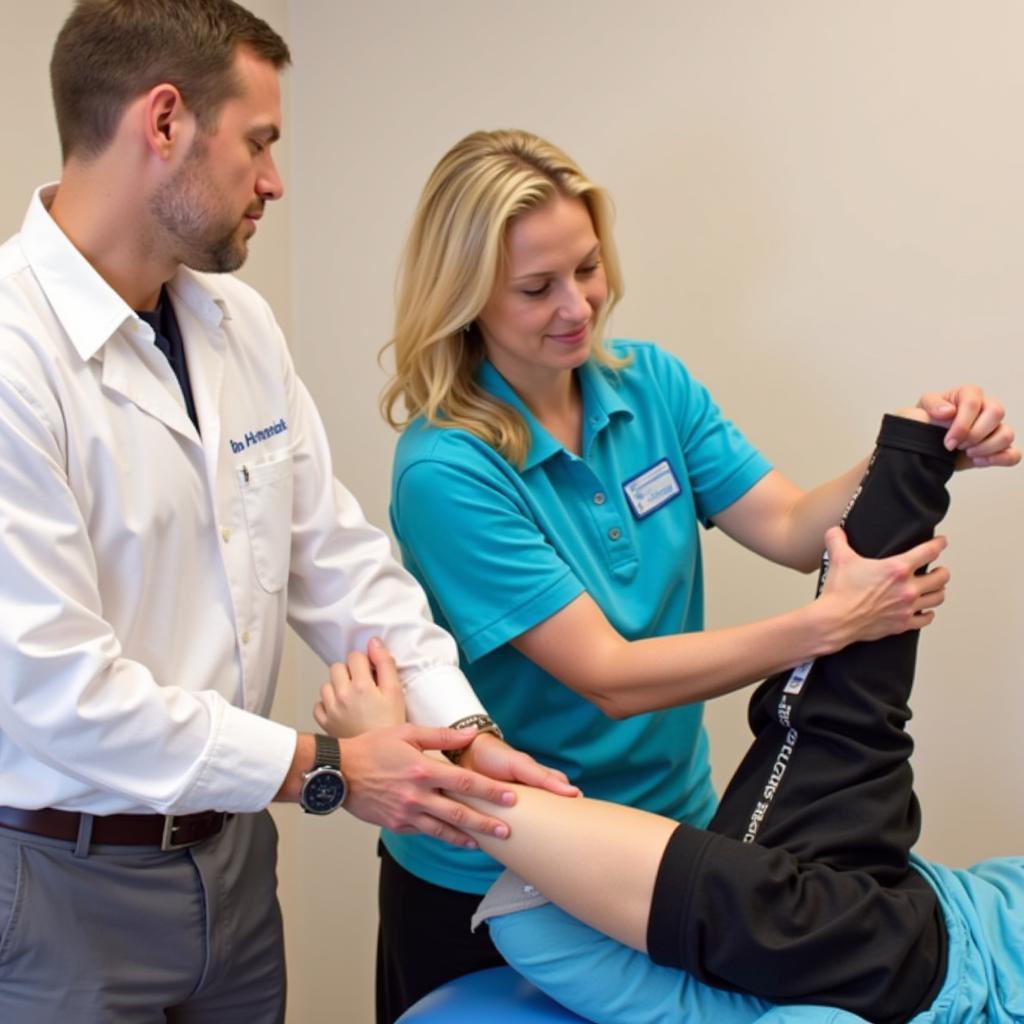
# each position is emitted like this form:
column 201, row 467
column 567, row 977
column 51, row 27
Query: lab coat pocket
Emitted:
column 267, row 498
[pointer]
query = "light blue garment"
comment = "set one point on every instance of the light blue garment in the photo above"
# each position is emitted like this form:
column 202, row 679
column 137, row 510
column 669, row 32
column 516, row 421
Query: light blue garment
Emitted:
column 609, row 983
column 500, row 550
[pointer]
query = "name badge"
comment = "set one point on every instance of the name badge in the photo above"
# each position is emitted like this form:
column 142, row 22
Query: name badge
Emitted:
column 649, row 490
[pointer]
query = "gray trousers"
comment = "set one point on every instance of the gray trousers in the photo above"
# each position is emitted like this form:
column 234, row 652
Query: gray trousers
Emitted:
column 132, row 935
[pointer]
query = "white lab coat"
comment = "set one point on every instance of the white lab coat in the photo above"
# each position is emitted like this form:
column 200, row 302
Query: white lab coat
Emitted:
column 146, row 574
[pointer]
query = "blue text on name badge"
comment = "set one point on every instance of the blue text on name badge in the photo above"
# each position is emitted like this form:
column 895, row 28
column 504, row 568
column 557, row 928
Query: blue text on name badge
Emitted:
column 648, row 491
column 252, row 437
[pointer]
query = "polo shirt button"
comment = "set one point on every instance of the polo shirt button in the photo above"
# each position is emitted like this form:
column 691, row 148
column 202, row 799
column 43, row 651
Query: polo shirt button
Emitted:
column 225, row 534
column 614, row 533
column 245, row 636
column 599, row 498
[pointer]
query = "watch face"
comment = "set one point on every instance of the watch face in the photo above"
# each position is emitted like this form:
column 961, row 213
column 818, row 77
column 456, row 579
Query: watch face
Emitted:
column 323, row 791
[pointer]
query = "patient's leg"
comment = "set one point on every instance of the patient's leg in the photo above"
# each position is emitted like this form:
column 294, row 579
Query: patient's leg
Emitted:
column 762, row 920
column 831, row 912
column 828, row 775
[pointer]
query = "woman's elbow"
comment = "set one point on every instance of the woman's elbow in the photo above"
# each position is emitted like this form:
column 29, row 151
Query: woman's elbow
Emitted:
column 611, row 704
column 600, row 680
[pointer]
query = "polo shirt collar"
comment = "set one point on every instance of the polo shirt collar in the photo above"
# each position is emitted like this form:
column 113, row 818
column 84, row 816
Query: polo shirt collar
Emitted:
column 89, row 310
column 601, row 401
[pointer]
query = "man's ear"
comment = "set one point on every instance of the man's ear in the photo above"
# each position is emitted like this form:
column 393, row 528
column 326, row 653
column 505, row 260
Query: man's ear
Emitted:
column 168, row 125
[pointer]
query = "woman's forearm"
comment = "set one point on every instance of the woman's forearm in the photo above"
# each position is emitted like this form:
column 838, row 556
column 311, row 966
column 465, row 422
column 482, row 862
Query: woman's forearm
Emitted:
column 598, row 861
column 579, row 647
column 817, row 510
column 863, row 599
column 786, row 524
column 662, row 672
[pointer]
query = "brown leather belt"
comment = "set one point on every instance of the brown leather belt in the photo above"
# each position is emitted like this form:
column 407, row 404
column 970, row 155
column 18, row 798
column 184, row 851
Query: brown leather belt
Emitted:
column 169, row 832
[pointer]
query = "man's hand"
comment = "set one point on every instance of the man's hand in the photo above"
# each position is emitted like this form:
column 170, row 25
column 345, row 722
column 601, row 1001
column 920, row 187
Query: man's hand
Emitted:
column 393, row 782
column 495, row 758
column 975, row 426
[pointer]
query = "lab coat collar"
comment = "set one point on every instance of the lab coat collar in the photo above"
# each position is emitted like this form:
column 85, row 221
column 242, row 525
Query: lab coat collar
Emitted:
column 89, row 310
column 101, row 325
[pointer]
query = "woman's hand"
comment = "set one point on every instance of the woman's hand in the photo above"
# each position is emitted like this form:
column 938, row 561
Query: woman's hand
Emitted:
column 497, row 760
column 868, row 598
column 363, row 693
column 976, row 428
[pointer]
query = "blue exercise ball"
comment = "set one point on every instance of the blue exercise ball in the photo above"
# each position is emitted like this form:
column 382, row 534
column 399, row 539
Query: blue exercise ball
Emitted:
column 495, row 996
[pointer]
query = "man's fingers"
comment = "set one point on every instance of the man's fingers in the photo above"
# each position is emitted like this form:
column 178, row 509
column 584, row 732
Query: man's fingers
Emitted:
column 444, row 817
column 426, row 824
column 435, row 773
column 429, row 737
column 447, row 810
column 462, row 782
column 439, row 830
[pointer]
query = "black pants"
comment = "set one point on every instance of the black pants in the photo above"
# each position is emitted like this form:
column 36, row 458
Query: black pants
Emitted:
column 423, row 938
column 802, row 890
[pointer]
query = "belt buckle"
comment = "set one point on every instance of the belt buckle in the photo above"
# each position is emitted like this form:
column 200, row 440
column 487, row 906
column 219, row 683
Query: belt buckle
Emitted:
column 167, row 841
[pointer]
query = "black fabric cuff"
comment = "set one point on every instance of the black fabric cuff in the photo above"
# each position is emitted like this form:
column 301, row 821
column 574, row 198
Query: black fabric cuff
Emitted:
column 914, row 436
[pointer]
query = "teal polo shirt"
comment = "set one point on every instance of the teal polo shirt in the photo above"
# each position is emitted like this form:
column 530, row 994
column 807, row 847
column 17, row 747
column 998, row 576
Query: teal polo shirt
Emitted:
column 499, row 550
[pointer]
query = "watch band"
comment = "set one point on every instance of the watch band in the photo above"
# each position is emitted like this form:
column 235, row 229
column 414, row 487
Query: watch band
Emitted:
column 483, row 723
column 327, row 752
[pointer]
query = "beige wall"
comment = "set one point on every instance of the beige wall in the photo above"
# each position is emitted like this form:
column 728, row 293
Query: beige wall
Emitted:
column 820, row 210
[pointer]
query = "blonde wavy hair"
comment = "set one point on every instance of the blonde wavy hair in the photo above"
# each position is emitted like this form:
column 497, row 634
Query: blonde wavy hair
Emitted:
column 451, row 261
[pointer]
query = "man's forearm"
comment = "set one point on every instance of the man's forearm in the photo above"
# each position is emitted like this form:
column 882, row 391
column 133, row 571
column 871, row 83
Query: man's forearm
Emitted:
column 302, row 762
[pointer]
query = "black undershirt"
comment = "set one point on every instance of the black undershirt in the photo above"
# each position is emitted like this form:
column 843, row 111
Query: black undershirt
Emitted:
column 168, row 340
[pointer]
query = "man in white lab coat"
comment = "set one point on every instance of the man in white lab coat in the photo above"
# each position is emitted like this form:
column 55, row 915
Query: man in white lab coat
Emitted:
column 166, row 505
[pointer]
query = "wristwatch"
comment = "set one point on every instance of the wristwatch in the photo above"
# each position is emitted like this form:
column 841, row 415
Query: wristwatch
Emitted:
column 483, row 723
column 323, row 786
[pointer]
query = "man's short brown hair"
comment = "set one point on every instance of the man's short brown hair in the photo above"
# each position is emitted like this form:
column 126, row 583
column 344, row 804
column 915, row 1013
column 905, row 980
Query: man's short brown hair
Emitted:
column 111, row 51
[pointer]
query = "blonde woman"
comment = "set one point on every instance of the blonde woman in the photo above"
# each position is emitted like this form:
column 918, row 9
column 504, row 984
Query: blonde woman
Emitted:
column 547, row 492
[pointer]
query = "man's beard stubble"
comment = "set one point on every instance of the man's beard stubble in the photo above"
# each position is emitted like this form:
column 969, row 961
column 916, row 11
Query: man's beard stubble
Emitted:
column 184, row 209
